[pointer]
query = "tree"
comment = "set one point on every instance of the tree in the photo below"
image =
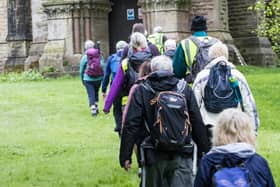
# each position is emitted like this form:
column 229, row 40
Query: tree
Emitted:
column 268, row 12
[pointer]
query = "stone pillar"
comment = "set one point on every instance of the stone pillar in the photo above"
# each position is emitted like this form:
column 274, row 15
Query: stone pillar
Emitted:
column 76, row 29
column 242, row 23
column 87, row 27
column 99, row 24
column 39, row 35
column 3, row 34
column 216, row 13
column 19, row 34
column 172, row 16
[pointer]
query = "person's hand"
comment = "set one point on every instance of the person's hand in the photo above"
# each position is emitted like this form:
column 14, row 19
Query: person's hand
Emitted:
column 105, row 111
column 127, row 165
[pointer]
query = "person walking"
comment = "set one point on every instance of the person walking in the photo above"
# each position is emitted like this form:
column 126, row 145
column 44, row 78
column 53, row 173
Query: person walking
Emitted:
column 91, row 81
column 112, row 67
column 243, row 101
column 171, row 168
column 233, row 160
column 185, row 62
column 158, row 38
column 169, row 48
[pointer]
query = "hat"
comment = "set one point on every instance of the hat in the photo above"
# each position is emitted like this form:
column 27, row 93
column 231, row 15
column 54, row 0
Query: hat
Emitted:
column 199, row 24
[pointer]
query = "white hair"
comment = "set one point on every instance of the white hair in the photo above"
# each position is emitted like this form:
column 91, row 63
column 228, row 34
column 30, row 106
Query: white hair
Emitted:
column 161, row 63
column 89, row 44
column 138, row 41
column 217, row 50
column 157, row 29
column 121, row 45
column 170, row 44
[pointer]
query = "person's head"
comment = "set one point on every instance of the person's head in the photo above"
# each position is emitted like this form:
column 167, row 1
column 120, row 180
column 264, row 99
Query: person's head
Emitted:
column 169, row 44
column 138, row 41
column 199, row 23
column 145, row 68
column 138, row 27
column 160, row 63
column 157, row 29
column 233, row 126
column 217, row 50
column 89, row 44
column 121, row 45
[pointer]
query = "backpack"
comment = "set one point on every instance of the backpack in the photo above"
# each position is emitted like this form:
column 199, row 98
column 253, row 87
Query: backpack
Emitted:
column 114, row 61
column 94, row 68
column 171, row 130
column 219, row 92
column 231, row 176
column 201, row 58
column 135, row 59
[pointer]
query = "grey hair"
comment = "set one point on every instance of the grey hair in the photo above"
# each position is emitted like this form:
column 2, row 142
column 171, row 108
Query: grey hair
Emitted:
column 161, row 63
column 138, row 40
column 217, row 50
column 157, row 29
column 233, row 126
column 121, row 45
column 89, row 44
column 170, row 44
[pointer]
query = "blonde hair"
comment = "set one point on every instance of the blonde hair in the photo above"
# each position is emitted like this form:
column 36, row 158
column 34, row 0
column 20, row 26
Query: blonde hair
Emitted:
column 233, row 126
column 217, row 50
column 138, row 41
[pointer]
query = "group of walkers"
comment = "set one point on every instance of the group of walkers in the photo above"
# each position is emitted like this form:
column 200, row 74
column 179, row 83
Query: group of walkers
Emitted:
column 183, row 106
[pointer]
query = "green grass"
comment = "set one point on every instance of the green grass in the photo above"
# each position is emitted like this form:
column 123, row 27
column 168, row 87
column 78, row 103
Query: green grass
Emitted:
column 48, row 137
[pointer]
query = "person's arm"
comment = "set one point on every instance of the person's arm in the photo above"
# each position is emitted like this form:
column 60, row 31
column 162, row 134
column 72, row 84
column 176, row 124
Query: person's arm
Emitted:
column 203, row 176
column 179, row 63
column 114, row 89
column 83, row 65
column 132, row 126
column 248, row 100
column 106, row 77
column 199, row 131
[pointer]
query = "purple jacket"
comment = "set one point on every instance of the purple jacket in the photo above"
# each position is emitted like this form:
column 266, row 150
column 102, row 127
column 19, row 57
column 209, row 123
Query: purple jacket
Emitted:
column 114, row 89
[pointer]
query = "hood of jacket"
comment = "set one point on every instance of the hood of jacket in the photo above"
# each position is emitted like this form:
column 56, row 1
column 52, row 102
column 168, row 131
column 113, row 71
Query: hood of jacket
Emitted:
column 231, row 152
column 169, row 53
column 219, row 59
column 162, row 80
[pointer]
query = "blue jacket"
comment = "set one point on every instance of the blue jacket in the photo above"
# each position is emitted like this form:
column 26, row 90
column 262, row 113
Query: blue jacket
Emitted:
column 112, row 67
column 258, row 168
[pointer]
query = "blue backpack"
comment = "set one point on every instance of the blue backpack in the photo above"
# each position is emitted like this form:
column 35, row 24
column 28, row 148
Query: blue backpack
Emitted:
column 222, row 90
column 114, row 64
column 233, row 176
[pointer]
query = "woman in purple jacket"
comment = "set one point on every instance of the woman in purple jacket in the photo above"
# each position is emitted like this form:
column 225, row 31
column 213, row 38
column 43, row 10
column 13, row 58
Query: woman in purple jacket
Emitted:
column 233, row 146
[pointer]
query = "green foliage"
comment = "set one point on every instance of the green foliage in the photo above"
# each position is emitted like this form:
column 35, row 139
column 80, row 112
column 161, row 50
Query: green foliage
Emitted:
column 48, row 137
column 30, row 75
column 269, row 21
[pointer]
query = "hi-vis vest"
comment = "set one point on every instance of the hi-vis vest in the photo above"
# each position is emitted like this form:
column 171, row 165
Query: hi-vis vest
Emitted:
column 157, row 40
column 189, row 49
column 124, row 64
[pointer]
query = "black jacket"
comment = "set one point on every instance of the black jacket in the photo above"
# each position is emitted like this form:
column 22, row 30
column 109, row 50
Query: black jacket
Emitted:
column 140, row 110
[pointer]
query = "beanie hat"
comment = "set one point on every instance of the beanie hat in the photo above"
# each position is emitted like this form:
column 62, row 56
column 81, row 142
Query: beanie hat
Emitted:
column 199, row 24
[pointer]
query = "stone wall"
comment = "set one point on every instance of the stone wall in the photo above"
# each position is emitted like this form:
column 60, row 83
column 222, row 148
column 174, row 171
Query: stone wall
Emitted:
column 242, row 23
column 3, row 34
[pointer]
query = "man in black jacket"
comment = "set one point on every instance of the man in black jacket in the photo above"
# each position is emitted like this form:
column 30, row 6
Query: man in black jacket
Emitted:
column 175, row 168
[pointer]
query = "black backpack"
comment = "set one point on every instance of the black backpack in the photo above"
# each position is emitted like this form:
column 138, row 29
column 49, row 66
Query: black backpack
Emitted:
column 220, row 91
column 201, row 58
column 171, row 130
column 135, row 59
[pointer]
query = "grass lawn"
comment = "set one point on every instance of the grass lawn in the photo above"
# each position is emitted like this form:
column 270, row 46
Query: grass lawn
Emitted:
column 48, row 137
